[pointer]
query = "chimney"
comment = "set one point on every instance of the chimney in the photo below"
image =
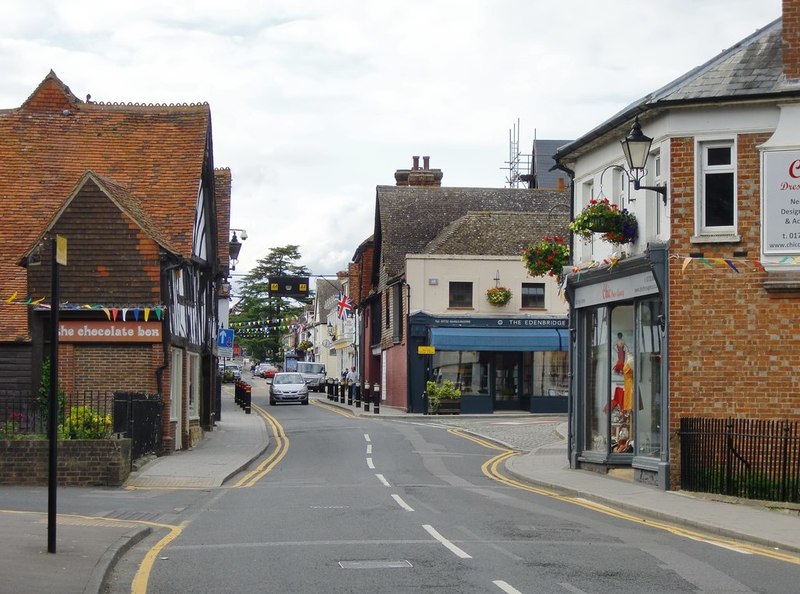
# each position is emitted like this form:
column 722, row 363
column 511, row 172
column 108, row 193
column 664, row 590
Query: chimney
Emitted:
column 560, row 183
column 419, row 176
column 791, row 39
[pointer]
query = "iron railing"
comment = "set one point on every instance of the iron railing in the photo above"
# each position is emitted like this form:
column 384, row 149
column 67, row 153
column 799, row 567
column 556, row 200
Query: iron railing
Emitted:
column 748, row 458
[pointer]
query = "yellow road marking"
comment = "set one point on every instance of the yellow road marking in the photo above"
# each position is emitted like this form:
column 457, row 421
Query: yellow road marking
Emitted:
column 335, row 409
column 491, row 469
column 281, row 447
column 139, row 584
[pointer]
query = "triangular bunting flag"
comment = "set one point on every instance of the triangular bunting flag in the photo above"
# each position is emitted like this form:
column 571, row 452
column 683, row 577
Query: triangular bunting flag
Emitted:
column 108, row 313
column 730, row 263
column 13, row 296
column 124, row 313
column 114, row 312
column 136, row 313
column 146, row 313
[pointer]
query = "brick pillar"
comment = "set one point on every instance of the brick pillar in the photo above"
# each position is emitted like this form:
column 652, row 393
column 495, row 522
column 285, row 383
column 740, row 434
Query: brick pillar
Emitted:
column 791, row 39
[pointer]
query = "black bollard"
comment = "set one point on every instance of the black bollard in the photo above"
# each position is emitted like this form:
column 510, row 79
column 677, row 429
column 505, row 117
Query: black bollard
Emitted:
column 366, row 397
column 248, row 397
column 357, row 397
column 376, row 398
column 349, row 389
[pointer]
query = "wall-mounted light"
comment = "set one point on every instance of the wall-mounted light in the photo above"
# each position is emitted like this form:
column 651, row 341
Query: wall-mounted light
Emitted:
column 235, row 246
column 636, row 147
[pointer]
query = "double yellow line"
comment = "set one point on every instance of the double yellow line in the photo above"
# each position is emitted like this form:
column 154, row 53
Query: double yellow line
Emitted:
column 271, row 461
column 491, row 468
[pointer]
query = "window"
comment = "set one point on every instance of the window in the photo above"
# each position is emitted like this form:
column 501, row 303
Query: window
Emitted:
column 460, row 294
column 533, row 295
column 717, row 208
column 397, row 318
column 194, row 385
column 176, row 384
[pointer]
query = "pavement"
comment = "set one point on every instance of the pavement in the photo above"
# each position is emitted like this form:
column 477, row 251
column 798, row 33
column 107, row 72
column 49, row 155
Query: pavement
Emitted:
column 87, row 547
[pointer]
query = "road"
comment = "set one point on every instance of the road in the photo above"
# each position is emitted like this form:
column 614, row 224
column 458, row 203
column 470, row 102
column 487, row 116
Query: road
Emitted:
column 387, row 505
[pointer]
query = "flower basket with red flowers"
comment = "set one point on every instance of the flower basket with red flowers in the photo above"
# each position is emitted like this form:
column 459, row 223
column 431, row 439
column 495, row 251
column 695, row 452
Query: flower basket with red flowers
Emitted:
column 548, row 257
column 616, row 224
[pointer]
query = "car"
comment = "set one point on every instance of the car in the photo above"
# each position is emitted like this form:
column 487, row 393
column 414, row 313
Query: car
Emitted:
column 313, row 373
column 267, row 370
column 288, row 387
column 231, row 372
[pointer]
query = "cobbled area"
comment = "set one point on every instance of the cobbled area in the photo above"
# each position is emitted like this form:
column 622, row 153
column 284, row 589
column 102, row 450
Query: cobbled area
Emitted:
column 521, row 433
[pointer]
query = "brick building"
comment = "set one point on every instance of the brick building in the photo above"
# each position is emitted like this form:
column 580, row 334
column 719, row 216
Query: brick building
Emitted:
column 133, row 190
column 701, row 309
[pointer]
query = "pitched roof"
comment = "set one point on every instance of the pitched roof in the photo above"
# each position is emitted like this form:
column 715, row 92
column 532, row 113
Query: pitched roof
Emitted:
column 497, row 233
column 750, row 69
column 151, row 158
column 407, row 218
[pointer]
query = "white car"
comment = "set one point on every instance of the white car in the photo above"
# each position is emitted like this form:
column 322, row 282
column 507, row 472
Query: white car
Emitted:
column 288, row 387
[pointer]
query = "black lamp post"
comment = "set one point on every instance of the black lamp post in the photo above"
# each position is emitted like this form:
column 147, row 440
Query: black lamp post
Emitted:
column 636, row 147
column 234, row 247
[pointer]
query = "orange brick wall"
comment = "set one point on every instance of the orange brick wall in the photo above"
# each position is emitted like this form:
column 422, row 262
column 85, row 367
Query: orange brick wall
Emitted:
column 733, row 346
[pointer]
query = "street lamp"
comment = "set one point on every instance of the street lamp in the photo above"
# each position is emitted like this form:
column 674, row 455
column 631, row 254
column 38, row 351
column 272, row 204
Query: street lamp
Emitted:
column 235, row 246
column 636, row 148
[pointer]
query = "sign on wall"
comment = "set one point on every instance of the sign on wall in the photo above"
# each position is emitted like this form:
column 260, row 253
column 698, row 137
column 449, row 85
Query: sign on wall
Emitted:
column 288, row 286
column 780, row 209
column 225, row 342
column 104, row 331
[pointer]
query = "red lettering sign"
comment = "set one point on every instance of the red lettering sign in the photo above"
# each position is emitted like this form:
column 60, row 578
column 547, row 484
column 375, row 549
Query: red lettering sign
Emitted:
column 794, row 168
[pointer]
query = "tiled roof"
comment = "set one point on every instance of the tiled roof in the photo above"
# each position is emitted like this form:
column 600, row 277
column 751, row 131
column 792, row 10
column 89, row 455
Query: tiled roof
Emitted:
column 497, row 233
column 153, row 153
column 409, row 217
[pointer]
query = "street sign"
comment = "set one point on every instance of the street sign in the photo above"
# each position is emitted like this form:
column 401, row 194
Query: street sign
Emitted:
column 288, row 286
column 426, row 350
column 225, row 342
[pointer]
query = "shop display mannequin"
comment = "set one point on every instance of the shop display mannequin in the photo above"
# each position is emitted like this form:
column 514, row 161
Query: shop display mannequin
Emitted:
column 621, row 350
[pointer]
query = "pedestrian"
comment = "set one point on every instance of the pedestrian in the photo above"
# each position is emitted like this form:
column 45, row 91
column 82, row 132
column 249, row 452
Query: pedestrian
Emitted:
column 352, row 379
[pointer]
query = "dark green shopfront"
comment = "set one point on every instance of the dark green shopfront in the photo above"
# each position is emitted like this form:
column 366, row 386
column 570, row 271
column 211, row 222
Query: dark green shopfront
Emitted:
column 498, row 363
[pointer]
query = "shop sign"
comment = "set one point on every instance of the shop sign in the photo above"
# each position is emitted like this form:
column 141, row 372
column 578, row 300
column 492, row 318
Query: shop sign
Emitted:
column 619, row 289
column 102, row 331
column 781, row 202
column 424, row 349
column 531, row 322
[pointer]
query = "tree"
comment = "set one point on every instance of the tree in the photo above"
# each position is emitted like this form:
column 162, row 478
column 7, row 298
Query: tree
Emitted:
column 265, row 315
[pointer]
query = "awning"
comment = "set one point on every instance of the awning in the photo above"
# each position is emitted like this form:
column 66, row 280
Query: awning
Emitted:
column 500, row 339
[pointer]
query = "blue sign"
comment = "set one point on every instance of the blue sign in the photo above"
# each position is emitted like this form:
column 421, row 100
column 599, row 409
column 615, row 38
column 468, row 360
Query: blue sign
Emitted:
column 225, row 342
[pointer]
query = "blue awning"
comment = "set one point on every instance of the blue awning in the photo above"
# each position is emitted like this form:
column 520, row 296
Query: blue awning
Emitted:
column 500, row 339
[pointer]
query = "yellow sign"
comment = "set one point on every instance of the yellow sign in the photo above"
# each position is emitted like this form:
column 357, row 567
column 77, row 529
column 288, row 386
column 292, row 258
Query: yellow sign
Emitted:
column 426, row 350
column 61, row 250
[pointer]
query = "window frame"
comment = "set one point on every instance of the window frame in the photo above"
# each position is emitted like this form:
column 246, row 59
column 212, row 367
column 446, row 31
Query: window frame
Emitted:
column 450, row 288
column 702, row 170
column 522, row 294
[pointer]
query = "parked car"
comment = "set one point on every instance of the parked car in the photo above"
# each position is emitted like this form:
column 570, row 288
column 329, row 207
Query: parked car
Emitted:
column 267, row 370
column 231, row 373
column 288, row 387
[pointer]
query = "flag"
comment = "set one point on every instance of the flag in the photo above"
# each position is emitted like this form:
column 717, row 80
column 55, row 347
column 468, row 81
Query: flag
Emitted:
column 345, row 306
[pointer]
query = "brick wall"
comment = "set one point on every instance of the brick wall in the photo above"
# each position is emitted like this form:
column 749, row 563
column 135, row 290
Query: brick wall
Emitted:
column 733, row 346
column 81, row 463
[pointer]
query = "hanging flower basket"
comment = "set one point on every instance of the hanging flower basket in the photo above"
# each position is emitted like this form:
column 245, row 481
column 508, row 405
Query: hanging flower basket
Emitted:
column 616, row 224
column 498, row 296
column 548, row 257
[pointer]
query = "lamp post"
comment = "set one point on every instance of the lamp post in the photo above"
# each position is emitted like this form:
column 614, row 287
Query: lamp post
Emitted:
column 636, row 148
column 235, row 246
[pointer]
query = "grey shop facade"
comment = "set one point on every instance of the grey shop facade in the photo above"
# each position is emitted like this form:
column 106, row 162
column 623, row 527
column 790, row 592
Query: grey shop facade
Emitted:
column 619, row 364
column 498, row 363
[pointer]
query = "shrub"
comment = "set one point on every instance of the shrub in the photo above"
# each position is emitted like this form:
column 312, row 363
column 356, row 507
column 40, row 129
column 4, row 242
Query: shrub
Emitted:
column 84, row 423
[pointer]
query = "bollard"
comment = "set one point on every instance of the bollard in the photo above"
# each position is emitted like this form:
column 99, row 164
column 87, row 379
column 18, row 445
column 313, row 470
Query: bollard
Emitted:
column 247, row 388
column 329, row 388
column 376, row 397
column 342, row 390
column 349, row 392
column 357, row 397
column 366, row 397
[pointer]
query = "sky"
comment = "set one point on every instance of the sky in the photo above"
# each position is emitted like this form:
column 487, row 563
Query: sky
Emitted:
column 315, row 103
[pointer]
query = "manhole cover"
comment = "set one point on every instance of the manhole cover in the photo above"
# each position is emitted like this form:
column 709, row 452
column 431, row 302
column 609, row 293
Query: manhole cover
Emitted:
column 373, row 564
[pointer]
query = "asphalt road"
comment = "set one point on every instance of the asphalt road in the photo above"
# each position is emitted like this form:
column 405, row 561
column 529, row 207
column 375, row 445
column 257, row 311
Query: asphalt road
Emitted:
column 387, row 505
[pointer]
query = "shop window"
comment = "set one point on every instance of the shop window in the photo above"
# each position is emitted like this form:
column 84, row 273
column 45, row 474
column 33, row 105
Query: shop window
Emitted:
column 533, row 295
column 506, row 380
column 545, row 373
column 193, row 360
column 717, row 191
column 176, row 384
column 460, row 294
column 465, row 369
column 621, row 413
column 648, row 380
column 596, row 380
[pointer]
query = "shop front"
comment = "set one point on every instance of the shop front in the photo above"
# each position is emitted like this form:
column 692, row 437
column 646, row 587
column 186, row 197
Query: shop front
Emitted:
column 619, row 403
column 518, row 363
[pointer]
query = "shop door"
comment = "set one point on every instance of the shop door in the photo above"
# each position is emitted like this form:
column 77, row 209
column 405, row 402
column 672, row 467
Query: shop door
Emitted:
column 506, row 381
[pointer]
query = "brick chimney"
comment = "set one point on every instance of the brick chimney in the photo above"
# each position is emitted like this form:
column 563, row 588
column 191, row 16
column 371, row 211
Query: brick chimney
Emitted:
column 791, row 39
column 419, row 176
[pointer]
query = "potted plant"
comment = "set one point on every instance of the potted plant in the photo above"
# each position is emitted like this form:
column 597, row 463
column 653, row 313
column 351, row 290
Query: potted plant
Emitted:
column 616, row 224
column 443, row 398
column 548, row 257
column 498, row 296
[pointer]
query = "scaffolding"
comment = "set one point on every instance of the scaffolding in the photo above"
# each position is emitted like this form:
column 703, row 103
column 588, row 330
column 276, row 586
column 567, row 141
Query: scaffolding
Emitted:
column 519, row 165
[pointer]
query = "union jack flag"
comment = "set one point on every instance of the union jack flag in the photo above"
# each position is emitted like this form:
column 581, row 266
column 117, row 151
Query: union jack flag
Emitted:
column 345, row 305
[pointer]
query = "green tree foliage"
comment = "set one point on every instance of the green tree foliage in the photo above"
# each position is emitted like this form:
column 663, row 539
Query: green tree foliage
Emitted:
column 258, row 304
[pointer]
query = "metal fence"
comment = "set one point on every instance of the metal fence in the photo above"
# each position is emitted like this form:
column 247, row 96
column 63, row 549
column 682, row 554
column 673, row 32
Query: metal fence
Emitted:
column 90, row 415
column 749, row 458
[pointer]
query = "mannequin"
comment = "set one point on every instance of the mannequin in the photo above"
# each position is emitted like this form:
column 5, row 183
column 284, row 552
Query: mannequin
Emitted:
column 627, row 373
column 621, row 349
